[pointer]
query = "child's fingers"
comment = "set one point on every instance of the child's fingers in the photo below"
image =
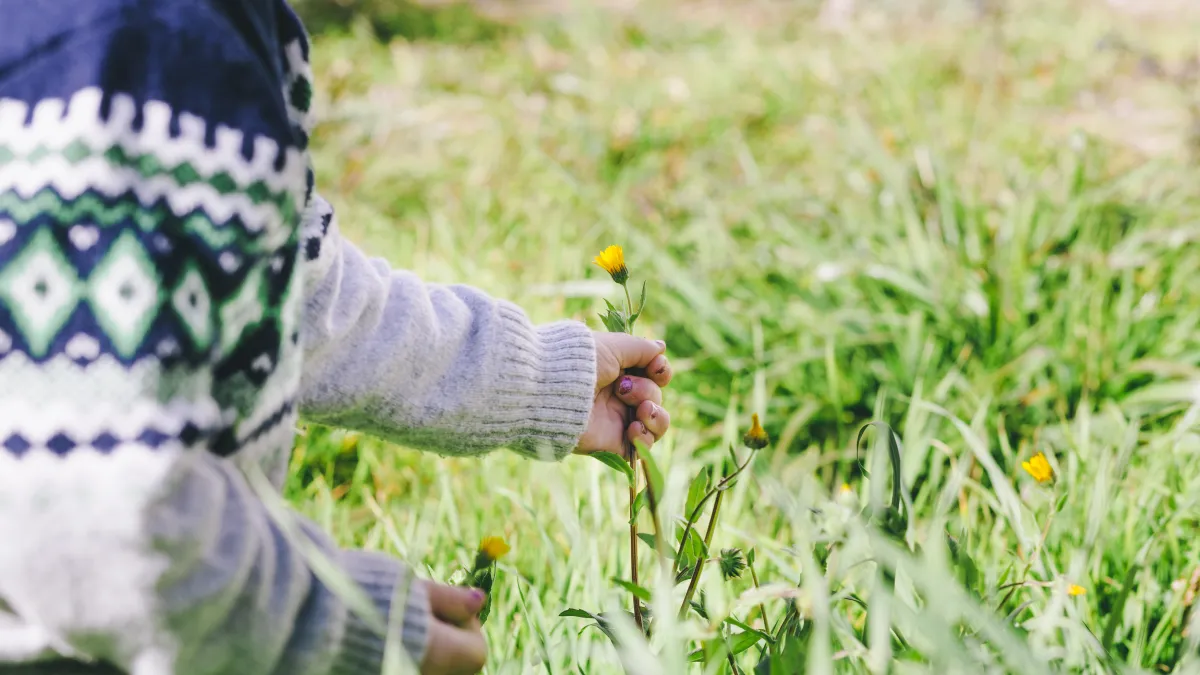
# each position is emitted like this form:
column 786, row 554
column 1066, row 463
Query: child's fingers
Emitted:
column 654, row 417
column 633, row 390
column 454, row 651
column 634, row 352
column 659, row 370
column 637, row 432
column 454, row 604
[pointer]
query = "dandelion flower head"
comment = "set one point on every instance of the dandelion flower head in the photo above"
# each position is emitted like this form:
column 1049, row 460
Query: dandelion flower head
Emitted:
column 612, row 260
column 1039, row 468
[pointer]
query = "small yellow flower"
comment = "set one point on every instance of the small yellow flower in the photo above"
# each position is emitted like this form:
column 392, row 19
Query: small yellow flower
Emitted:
column 1075, row 589
column 493, row 548
column 756, row 438
column 1039, row 468
column 612, row 260
column 845, row 496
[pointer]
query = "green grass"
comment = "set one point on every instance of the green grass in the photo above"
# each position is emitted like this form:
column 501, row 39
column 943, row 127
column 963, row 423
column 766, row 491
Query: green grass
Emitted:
column 941, row 221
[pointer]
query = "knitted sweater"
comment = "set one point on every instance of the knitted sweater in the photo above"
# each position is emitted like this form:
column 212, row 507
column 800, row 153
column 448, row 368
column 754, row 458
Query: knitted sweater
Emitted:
column 173, row 294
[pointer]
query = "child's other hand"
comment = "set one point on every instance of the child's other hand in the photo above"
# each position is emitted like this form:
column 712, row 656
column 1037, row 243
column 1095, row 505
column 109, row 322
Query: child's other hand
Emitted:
column 456, row 644
column 615, row 392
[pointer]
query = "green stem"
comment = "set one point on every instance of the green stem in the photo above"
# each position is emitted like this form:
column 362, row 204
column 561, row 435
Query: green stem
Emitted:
column 631, row 453
column 633, row 554
column 1028, row 565
column 761, row 607
column 712, row 527
column 695, row 514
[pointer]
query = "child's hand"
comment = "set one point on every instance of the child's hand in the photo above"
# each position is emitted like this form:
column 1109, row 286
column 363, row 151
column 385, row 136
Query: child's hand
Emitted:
column 615, row 353
column 456, row 644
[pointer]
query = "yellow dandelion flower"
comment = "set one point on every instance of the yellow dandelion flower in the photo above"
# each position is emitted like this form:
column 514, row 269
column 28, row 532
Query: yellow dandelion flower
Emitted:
column 1075, row 589
column 756, row 438
column 1039, row 468
column 493, row 548
column 845, row 496
column 612, row 260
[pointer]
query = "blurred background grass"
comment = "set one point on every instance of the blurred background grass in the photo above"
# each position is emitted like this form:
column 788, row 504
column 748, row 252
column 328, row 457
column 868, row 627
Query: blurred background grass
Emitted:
column 975, row 221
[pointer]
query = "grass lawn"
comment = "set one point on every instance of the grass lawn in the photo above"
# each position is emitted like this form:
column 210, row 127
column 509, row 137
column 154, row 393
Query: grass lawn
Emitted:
column 982, row 229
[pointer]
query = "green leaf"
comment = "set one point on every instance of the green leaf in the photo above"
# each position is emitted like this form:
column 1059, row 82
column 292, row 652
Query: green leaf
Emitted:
column 652, row 541
column 734, row 621
column 1062, row 501
column 696, row 492
column 743, row 641
column 695, row 548
column 1117, row 612
column 970, row 573
column 787, row 661
column 654, row 476
column 638, row 592
column 641, row 305
column 700, row 605
column 639, row 502
column 731, row 464
column 579, row 614
column 616, row 462
column 894, row 452
column 696, row 656
column 605, row 621
column 685, row 571
column 750, row 557
column 614, row 321
column 714, row 650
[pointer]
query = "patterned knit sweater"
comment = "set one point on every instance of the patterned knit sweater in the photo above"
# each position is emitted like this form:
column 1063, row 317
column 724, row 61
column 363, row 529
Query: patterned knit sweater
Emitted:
column 173, row 294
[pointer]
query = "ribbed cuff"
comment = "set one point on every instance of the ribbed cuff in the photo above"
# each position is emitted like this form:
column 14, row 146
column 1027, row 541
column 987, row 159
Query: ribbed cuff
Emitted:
column 384, row 580
column 547, row 375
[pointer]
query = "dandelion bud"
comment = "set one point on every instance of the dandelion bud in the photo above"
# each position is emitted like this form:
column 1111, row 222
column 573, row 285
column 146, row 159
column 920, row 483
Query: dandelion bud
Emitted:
column 756, row 438
column 732, row 563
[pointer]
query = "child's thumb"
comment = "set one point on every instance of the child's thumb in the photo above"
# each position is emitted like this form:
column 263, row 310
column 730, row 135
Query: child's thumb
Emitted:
column 453, row 604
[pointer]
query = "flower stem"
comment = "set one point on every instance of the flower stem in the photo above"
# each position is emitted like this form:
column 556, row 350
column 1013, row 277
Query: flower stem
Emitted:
column 695, row 514
column 631, row 453
column 633, row 546
column 761, row 607
column 712, row 527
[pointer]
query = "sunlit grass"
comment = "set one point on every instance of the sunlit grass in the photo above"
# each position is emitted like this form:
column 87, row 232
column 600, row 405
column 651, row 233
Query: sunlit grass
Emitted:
column 896, row 220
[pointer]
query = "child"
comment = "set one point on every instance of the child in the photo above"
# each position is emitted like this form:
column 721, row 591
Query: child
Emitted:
column 173, row 293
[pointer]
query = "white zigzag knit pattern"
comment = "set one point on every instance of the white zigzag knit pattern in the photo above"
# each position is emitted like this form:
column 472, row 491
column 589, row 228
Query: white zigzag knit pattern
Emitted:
column 71, row 179
column 52, row 129
column 103, row 396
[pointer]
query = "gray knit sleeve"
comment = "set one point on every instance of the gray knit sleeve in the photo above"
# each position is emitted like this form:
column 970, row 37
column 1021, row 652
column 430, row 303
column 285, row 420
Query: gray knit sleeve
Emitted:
column 441, row 368
column 250, row 584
